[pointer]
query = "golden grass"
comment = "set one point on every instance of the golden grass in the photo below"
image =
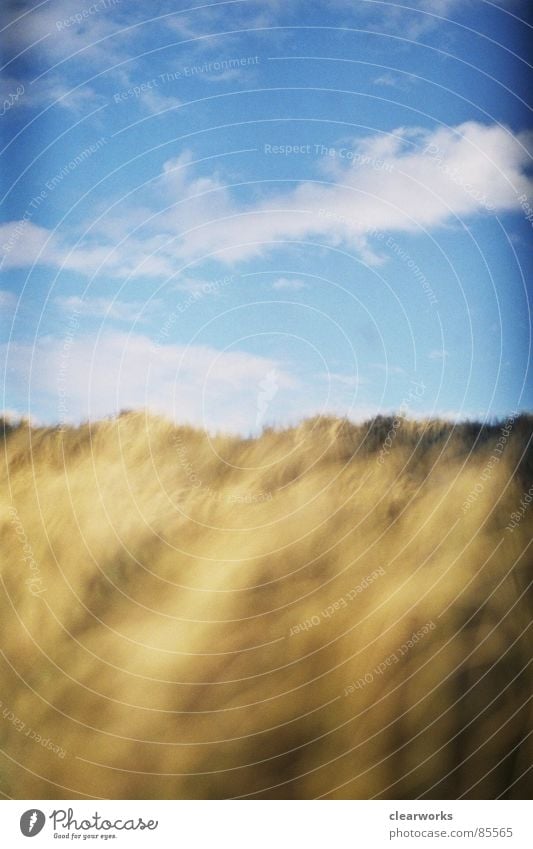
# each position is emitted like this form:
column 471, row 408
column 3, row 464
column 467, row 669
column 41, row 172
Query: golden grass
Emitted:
column 212, row 617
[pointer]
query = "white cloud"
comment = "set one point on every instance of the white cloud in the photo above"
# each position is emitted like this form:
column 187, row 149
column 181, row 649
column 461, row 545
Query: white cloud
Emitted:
column 88, row 377
column 389, row 369
column 8, row 301
column 401, row 82
column 80, row 100
column 411, row 19
column 350, row 381
column 423, row 17
column 293, row 284
column 389, row 80
column 108, row 309
column 62, row 30
column 154, row 102
column 439, row 354
column 22, row 243
column 407, row 180
column 402, row 181
column 205, row 21
column 48, row 91
column 203, row 287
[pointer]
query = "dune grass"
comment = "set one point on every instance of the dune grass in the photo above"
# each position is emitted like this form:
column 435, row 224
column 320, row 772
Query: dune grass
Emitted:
column 332, row 610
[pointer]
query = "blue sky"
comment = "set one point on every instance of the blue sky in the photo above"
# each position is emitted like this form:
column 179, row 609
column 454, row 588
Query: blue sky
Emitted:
column 244, row 213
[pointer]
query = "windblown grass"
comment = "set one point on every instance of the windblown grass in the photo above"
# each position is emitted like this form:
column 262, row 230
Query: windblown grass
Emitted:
column 151, row 632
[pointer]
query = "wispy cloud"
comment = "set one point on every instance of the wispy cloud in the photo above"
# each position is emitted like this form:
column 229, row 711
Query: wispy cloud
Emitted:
column 154, row 102
column 76, row 99
column 408, row 180
column 100, row 376
column 401, row 82
column 50, row 91
column 350, row 381
column 62, row 30
column 388, row 368
column 211, row 19
column 402, row 181
column 22, row 243
column 107, row 309
column 409, row 20
column 292, row 284
column 8, row 300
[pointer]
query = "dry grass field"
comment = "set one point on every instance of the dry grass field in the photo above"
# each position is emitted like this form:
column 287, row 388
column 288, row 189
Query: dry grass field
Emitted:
column 333, row 610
